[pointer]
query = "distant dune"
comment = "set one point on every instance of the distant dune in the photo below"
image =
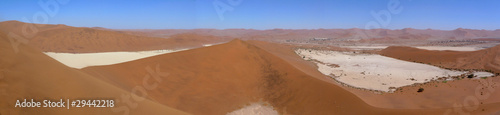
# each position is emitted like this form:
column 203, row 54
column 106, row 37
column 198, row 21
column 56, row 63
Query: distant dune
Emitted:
column 370, row 35
column 61, row 38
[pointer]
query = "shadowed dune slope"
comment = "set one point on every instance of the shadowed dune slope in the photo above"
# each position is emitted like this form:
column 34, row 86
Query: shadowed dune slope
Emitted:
column 30, row 74
column 223, row 78
column 486, row 59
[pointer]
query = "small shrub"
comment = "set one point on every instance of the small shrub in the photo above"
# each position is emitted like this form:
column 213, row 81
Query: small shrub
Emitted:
column 445, row 81
column 420, row 90
column 470, row 76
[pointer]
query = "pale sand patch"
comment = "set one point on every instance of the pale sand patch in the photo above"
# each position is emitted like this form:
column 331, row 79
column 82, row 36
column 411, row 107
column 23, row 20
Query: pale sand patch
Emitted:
column 81, row 60
column 370, row 71
column 365, row 47
column 441, row 48
column 207, row 45
column 483, row 74
column 255, row 109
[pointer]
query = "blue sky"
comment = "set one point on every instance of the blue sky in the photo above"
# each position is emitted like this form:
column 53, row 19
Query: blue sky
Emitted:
column 259, row 14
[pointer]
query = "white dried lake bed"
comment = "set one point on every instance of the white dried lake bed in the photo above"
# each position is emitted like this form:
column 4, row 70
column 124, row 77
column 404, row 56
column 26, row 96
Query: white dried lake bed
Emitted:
column 372, row 71
column 442, row 48
column 438, row 48
column 81, row 60
column 483, row 74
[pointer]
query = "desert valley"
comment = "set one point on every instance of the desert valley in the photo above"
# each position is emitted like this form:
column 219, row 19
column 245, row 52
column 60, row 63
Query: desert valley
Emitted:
column 195, row 72
column 241, row 57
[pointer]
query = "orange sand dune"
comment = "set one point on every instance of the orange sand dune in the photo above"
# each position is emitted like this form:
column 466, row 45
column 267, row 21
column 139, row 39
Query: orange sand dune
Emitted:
column 223, row 78
column 30, row 74
column 21, row 28
column 61, row 38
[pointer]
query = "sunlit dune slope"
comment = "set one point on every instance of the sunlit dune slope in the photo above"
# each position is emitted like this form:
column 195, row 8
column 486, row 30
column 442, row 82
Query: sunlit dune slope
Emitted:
column 30, row 74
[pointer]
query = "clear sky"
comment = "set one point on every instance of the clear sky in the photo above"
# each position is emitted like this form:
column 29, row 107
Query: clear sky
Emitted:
column 258, row 14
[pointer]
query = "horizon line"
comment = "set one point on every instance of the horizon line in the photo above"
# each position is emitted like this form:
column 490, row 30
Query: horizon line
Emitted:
column 254, row 28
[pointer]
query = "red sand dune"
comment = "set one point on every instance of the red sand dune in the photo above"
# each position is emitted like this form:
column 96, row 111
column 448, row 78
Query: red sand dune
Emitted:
column 223, row 78
column 61, row 38
column 29, row 73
